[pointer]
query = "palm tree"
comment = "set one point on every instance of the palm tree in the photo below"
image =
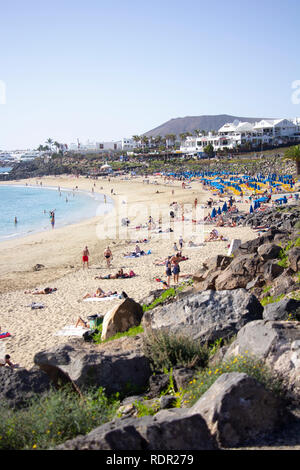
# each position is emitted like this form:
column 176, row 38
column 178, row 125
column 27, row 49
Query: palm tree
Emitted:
column 293, row 153
column 136, row 138
column 49, row 142
column 158, row 140
column 145, row 141
column 57, row 145
column 183, row 136
column 170, row 138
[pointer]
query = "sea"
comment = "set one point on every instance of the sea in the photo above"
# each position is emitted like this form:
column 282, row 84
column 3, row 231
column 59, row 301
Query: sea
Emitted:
column 31, row 206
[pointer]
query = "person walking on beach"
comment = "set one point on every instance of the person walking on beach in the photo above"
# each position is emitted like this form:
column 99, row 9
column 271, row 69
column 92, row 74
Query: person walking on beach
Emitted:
column 180, row 242
column 176, row 268
column 168, row 270
column 108, row 256
column 85, row 257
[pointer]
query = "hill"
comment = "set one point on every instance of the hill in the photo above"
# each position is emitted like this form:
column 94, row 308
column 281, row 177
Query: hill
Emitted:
column 190, row 123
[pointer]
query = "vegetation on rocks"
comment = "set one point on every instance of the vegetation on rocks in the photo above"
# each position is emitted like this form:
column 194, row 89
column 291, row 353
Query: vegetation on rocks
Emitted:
column 165, row 350
column 131, row 332
column 51, row 420
column 245, row 363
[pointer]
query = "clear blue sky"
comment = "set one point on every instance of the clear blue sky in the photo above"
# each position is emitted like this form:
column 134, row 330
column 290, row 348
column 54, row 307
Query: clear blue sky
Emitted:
column 102, row 70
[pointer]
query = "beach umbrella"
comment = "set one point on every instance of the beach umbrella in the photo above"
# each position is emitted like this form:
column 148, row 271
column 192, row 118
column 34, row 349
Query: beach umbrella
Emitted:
column 224, row 208
column 219, row 211
column 213, row 213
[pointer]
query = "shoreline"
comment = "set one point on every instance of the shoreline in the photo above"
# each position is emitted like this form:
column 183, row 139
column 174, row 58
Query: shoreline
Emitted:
column 60, row 252
column 51, row 188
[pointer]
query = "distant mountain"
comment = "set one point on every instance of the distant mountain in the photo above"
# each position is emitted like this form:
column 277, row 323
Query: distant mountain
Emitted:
column 190, row 123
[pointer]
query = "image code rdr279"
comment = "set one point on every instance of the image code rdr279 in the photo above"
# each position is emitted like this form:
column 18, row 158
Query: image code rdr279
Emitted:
column 150, row 459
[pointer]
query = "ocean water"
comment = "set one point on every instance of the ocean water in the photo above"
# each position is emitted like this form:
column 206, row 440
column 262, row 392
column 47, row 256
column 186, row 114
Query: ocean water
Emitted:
column 31, row 206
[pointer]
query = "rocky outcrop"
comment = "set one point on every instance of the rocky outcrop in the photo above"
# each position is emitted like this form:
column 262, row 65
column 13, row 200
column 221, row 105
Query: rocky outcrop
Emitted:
column 19, row 386
column 281, row 310
column 275, row 342
column 237, row 408
column 120, row 367
column 166, row 430
column 206, row 316
column 257, row 263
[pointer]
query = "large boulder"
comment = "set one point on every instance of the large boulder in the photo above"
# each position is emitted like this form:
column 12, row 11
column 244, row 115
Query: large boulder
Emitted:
column 211, row 268
column 118, row 366
column 167, row 430
column 294, row 259
column 283, row 284
column 208, row 281
column 206, row 316
column 19, row 386
column 268, row 251
column 275, row 342
column 272, row 270
column 123, row 317
column 239, row 273
column 251, row 246
column 237, row 408
column 281, row 310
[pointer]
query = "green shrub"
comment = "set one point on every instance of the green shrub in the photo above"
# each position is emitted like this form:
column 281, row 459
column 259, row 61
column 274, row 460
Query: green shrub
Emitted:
column 283, row 259
column 167, row 295
column 166, row 350
column 135, row 330
column 270, row 299
column 145, row 409
column 242, row 363
column 50, row 420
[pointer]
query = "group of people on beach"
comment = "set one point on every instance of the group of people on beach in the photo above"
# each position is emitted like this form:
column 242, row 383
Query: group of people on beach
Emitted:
column 108, row 256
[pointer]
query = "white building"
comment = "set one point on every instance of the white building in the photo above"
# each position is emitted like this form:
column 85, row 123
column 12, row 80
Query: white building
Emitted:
column 128, row 144
column 235, row 134
column 95, row 146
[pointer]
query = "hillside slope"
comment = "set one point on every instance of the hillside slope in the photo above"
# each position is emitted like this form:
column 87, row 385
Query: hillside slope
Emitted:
column 190, row 123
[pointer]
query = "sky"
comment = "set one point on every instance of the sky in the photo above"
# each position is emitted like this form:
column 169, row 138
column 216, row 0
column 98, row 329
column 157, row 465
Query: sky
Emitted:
column 103, row 70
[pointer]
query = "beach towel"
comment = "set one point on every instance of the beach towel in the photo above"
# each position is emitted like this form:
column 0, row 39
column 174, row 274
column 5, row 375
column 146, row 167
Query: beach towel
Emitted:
column 72, row 330
column 101, row 299
column 35, row 305
column 4, row 335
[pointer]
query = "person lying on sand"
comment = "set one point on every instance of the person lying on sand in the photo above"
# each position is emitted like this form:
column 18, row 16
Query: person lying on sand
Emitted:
column 119, row 275
column 47, row 290
column 100, row 293
column 214, row 236
column 81, row 322
column 220, row 222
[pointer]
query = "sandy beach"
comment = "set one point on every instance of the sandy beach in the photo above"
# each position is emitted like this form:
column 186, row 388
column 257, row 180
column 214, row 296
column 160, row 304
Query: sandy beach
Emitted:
column 60, row 252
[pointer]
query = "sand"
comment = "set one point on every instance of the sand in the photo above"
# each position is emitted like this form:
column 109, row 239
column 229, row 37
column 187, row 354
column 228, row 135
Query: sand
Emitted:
column 60, row 252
